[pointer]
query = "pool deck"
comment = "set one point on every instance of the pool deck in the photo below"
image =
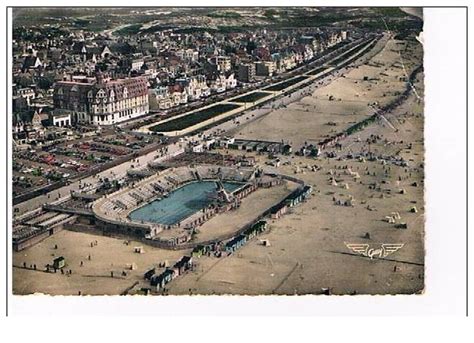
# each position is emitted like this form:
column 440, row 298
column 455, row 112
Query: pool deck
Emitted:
column 251, row 207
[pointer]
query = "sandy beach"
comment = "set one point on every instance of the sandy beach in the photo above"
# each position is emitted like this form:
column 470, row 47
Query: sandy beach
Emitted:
column 307, row 252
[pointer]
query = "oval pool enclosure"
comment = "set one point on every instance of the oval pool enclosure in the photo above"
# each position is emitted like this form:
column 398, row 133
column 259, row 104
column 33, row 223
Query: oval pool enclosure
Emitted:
column 180, row 203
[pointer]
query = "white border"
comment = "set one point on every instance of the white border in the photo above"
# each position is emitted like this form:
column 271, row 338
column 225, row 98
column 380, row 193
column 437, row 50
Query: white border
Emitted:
column 445, row 194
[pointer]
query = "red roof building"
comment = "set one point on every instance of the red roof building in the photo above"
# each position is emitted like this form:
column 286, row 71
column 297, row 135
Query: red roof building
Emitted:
column 101, row 100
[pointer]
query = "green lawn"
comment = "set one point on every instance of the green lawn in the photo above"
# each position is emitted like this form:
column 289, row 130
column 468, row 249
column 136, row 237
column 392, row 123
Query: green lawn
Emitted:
column 251, row 97
column 317, row 71
column 285, row 84
column 353, row 52
column 194, row 118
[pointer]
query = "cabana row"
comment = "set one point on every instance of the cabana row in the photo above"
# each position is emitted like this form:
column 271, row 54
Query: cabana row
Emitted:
column 291, row 200
column 200, row 250
column 179, row 268
column 238, row 241
column 255, row 229
column 298, row 196
column 259, row 146
column 278, row 210
column 245, row 190
column 235, row 243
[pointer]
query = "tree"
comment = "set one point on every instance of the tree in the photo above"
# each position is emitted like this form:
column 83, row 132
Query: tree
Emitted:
column 101, row 67
column 45, row 82
column 24, row 80
column 251, row 46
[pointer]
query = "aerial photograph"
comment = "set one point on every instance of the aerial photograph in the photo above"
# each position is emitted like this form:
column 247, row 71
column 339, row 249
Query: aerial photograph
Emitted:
column 167, row 151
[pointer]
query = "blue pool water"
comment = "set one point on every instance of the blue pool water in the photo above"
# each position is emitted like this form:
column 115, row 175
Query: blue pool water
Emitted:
column 180, row 204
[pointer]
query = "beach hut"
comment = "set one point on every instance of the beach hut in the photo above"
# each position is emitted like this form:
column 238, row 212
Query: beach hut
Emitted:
column 401, row 226
column 184, row 264
column 145, row 290
column 199, row 251
column 307, row 190
column 235, row 243
column 278, row 210
column 148, row 274
column 396, row 215
column 287, row 150
column 159, row 281
column 260, row 226
column 59, row 262
column 250, row 233
column 349, row 202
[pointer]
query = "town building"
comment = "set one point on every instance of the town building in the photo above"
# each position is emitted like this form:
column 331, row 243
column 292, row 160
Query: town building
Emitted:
column 60, row 118
column 223, row 63
column 221, row 82
column 94, row 53
column 101, row 100
column 246, row 72
column 265, row 68
column 31, row 62
column 189, row 55
column 27, row 93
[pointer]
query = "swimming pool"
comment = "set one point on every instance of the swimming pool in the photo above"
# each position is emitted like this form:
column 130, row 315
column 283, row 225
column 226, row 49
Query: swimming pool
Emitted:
column 180, row 204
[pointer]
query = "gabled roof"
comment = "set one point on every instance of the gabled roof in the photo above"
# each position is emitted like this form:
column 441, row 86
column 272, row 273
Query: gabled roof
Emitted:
column 78, row 47
column 30, row 62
